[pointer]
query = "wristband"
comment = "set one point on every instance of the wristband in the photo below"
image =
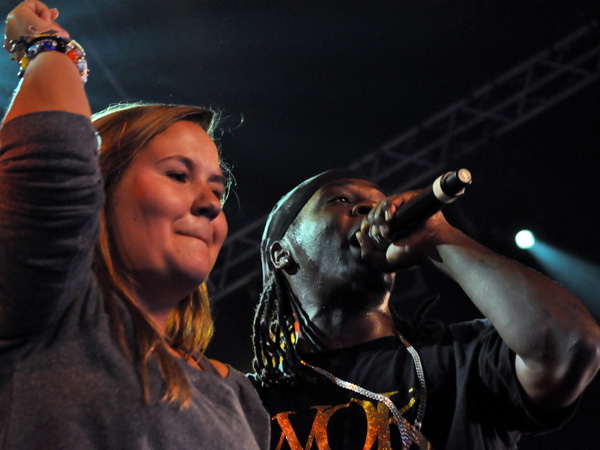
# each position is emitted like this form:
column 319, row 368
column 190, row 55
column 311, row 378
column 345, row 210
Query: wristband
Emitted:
column 47, row 42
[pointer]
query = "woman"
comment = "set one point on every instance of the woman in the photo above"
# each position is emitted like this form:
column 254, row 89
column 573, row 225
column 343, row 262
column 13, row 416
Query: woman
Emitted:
column 104, row 315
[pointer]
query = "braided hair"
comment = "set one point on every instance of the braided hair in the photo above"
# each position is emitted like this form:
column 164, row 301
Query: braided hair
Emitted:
column 275, row 328
column 274, row 334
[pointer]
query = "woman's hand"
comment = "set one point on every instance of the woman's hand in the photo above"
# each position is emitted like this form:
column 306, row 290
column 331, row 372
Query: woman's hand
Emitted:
column 30, row 18
column 52, row 81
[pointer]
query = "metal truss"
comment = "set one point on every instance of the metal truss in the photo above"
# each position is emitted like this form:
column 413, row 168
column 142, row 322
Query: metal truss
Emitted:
column 427, row 149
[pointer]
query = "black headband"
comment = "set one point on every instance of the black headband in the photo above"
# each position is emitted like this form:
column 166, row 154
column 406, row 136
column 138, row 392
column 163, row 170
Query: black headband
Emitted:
column 289, row 206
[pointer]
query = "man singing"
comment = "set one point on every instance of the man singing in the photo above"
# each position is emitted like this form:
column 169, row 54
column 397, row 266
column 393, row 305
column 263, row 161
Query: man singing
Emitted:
column 338, row 369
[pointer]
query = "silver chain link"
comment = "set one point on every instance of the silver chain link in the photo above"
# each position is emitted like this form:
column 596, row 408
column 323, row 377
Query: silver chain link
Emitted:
column 421, row 376
column 407, row 439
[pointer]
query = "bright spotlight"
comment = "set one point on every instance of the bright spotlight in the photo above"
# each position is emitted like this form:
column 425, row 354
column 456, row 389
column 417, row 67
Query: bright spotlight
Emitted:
column 525, row 239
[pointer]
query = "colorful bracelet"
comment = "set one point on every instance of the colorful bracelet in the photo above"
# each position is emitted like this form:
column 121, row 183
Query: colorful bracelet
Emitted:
column 47, row 42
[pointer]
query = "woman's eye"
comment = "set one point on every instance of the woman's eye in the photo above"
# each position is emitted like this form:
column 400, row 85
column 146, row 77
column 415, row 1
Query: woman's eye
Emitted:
column 181, row 177
column 219, row 194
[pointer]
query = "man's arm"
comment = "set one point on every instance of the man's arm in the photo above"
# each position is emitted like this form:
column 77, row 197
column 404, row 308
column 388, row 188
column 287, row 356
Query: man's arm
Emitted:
column 556, row 340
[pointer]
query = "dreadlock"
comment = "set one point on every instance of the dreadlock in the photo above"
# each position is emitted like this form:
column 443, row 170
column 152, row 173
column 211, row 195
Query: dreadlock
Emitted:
column 274, row 335
column 276, row 360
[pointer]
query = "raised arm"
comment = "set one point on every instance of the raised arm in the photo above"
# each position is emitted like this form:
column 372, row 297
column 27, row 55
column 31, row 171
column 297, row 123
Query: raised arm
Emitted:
column 51, row 81
column 556, row 340
column 50, row 186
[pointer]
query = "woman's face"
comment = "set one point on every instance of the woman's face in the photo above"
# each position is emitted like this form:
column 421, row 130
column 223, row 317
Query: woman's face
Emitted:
column 166, row 212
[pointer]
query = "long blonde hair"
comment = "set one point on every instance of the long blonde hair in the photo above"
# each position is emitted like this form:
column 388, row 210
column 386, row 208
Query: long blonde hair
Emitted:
column 125, row 130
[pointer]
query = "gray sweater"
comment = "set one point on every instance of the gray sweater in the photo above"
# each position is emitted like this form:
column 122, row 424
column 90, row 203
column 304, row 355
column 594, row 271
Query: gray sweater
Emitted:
column 65, row 383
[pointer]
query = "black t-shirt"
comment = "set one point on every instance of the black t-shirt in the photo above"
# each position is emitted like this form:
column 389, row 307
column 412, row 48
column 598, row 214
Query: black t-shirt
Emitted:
column 474, row 400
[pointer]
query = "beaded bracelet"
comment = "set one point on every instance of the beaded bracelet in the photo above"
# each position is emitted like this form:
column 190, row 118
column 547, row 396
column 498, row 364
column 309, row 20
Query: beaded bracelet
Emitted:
column 47, row 42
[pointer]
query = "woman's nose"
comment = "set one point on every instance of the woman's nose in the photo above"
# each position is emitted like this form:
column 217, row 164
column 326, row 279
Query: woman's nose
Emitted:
column 207, row 203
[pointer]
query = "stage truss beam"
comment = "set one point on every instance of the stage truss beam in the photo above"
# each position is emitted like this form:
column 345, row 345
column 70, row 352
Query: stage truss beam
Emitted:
column 427, row 149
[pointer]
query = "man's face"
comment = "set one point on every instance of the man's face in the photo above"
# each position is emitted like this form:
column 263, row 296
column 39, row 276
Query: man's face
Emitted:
column 326, row 250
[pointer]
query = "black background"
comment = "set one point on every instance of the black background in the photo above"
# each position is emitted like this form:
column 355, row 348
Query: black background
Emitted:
column 318, row 84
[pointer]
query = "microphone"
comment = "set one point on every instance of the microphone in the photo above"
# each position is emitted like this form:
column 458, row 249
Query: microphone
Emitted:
column 409, row 216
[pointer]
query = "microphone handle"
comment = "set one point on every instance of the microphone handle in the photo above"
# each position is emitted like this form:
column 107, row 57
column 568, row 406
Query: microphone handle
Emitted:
column 445, row 189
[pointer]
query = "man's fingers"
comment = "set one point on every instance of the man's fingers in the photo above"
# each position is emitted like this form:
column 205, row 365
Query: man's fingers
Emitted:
column 396, row 254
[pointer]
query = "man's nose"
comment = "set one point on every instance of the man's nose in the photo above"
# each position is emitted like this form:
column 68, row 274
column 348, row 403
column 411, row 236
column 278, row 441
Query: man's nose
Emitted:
column 362, row 208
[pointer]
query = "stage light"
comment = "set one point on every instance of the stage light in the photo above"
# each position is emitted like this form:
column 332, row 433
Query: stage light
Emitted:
column 578, row 275
column 525, row 239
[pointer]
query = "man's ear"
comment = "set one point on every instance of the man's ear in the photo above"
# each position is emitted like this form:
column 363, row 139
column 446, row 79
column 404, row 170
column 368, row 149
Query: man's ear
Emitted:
column 280, row 256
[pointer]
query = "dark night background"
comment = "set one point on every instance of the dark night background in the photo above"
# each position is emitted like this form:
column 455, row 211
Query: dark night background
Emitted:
column 311, row 85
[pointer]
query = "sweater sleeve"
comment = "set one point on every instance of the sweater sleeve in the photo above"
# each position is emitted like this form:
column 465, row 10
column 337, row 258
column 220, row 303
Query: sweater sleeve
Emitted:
column 50, row 197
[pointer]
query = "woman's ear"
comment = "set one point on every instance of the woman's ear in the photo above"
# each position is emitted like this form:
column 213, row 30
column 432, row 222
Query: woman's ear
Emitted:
column 280, row 256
